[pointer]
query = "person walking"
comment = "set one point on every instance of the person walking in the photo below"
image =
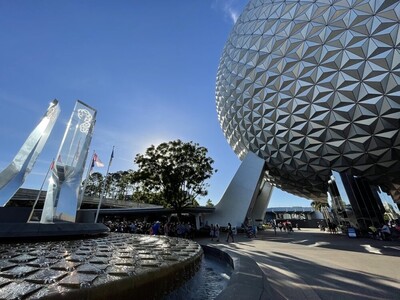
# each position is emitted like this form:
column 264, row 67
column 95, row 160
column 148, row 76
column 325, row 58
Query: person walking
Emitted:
column 230, row 233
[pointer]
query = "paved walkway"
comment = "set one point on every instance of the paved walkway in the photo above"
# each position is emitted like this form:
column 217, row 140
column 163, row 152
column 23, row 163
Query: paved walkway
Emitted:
column 310, row 264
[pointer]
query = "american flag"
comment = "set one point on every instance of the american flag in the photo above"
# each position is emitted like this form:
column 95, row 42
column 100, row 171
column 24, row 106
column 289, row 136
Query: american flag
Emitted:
column 97, row 161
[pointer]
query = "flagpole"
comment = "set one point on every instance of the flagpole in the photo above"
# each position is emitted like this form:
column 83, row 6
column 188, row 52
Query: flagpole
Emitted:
column 104, row 186
column 82, row 194
column 40, row 191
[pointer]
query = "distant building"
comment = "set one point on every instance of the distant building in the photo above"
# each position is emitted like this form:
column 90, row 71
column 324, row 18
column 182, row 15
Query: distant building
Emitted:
column 303, row 216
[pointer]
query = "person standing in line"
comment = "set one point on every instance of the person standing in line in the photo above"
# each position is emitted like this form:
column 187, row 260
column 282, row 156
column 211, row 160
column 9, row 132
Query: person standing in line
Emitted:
column 385, row 232
column 216, row 231
column 166, row 229
column 156, row 228
column 230, row 233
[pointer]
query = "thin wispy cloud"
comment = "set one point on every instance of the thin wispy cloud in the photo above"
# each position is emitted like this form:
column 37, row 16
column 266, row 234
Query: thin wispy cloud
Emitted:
column 232, row 12
column 230, row 8
column 22, row 103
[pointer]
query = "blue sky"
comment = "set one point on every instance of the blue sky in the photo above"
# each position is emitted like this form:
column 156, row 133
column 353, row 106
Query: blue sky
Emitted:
column 148, row 67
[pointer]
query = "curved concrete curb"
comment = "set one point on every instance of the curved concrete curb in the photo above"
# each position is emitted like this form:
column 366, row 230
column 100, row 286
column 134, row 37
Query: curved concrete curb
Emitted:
column 248, row 281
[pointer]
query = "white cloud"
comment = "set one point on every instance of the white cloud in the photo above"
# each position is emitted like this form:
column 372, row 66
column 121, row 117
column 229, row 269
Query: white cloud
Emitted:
column 231, row 8
column 234, row 15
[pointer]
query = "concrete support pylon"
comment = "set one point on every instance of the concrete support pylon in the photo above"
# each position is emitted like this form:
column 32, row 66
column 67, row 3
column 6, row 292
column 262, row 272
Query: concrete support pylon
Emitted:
column 247, row 194
column 257, row 211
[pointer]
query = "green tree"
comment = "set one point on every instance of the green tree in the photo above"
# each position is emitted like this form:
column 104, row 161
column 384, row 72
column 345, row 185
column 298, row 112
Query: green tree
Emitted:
column 94, row 185
column 122, row 181
column 176, row 171
column 143, row 195
column 318, row 205
column 209, row 203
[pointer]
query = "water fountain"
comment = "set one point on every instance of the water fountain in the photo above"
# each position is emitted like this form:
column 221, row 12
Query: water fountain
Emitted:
column 60, row 258
column 117, row 265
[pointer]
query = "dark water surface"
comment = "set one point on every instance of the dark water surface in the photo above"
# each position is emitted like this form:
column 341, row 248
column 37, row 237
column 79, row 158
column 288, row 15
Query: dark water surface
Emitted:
column 34, row 270
column 212, row 277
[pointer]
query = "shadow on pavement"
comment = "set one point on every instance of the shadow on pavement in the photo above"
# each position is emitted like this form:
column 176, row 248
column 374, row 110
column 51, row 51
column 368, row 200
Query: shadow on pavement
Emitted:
column 320, row 273
column 333, row 241
column 296, row 278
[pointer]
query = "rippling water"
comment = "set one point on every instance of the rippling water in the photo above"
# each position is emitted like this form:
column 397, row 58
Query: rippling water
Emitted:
column 34, row 270
column 208, row 282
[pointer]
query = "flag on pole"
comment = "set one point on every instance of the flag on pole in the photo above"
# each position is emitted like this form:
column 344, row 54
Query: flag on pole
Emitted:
column 97, row 161
column 104, row 187
column 111, row 157
column 91, row 166
column 52, row 165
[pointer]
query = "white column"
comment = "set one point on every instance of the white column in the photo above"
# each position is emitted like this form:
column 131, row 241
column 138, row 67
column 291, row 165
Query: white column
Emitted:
column 240, row 197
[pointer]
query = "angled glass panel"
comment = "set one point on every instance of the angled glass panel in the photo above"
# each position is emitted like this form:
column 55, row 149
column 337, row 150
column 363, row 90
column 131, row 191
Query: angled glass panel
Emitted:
column 12, row 177
column 62, row 193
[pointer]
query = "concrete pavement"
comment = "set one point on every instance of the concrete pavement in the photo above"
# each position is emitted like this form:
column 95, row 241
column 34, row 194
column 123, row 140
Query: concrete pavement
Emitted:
column 310, row 264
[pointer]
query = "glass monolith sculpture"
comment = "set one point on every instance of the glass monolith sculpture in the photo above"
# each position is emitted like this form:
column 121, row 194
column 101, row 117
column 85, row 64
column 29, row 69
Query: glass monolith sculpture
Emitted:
column 63, row 190
column 13, row 176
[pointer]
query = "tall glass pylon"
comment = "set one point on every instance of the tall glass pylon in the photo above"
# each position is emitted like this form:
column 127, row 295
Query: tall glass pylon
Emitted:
column 13, row 176
column 62, row 193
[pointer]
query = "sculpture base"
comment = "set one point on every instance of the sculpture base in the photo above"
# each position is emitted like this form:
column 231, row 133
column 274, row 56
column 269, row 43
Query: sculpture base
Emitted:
column 51, row 230
column 114, row 266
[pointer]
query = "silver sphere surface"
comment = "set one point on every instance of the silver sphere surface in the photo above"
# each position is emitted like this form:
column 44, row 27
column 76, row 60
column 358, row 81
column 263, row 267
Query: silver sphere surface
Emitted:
column 314, row 86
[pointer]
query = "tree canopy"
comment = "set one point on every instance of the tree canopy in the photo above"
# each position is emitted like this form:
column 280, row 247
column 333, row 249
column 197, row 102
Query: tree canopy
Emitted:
column 176, row 171
column 318, row 205
column 209, row 203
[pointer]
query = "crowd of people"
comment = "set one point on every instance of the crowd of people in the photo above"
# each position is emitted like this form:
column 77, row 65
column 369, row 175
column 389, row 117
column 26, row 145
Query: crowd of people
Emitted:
column 176, row 229
column 215, row 231
column 387, row 231
column 285, row 226
column 187, row 229
column 168, row 228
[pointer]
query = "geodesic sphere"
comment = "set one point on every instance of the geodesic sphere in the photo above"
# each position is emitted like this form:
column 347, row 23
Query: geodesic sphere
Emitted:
column 313, row 86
